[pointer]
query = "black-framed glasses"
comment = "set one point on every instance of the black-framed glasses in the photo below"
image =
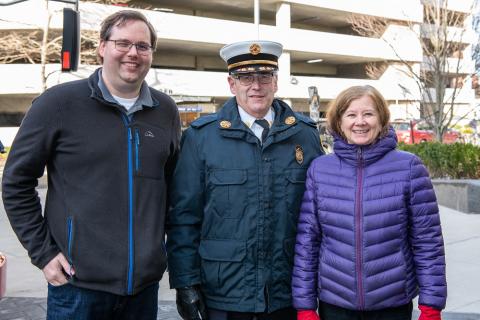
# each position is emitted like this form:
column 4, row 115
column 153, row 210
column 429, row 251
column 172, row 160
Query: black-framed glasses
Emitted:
column 124, row 46
column 248, row 78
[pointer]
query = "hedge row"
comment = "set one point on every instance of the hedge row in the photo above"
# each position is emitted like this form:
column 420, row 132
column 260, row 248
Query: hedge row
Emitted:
column 453, row 161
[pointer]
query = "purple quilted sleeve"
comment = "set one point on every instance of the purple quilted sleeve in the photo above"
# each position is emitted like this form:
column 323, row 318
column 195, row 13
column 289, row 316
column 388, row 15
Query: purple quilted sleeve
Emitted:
column 426, row 238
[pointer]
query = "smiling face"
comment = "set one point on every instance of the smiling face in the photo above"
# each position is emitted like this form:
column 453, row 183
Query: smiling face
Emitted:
column 360, row 123
column 123, row 72
column 255, row 98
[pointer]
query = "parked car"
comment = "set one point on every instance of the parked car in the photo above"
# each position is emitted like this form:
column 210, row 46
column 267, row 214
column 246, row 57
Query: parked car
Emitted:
column 420, row 132
column 452, row 136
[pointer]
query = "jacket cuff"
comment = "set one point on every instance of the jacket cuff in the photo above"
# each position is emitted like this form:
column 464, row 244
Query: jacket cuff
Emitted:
column 45, row 258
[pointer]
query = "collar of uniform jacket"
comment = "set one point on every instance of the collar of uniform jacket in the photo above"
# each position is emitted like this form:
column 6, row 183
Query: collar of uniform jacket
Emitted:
column 231, row 125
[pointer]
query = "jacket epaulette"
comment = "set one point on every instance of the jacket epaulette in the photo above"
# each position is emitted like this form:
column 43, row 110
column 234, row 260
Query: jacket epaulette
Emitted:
column 202, row 121
column 306, row 120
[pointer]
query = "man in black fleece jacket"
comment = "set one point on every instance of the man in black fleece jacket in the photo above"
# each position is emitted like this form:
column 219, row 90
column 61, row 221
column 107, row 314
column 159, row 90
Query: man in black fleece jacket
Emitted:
column 109, row 144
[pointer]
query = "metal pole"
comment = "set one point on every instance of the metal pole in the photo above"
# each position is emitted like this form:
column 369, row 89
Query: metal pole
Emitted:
column 256, row 11
column 412, row 136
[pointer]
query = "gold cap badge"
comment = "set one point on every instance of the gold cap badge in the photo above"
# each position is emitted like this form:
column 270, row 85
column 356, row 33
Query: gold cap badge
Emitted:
column 255, row 49
column 290, row 120
column 225, row 124
column 299, row 154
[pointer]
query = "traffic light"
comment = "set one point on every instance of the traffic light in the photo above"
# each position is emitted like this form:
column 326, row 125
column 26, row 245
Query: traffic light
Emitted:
column 71, row 40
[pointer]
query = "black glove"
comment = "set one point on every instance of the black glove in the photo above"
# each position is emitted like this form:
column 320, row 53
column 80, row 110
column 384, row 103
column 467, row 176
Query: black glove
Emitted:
column 190, row 304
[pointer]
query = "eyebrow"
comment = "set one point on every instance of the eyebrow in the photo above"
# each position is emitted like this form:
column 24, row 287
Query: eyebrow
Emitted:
column 127, row 40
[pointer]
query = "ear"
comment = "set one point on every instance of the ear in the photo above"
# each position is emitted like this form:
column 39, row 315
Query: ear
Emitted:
column 231, row 83
column 275, row 84
column 101, row 48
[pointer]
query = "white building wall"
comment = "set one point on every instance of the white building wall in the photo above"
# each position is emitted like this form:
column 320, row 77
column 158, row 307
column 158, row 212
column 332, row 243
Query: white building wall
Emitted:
column 205, row 35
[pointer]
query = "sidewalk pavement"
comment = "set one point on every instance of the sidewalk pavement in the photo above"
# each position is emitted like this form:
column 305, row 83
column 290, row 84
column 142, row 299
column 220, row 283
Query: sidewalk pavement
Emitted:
column 27, row 290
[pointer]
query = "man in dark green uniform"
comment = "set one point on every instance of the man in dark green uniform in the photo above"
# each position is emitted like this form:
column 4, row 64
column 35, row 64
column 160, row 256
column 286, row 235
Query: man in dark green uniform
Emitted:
column 236, row 194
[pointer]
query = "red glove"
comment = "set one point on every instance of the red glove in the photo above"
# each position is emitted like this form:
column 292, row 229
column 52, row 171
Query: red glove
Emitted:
column 428, row 313
column 307, row 315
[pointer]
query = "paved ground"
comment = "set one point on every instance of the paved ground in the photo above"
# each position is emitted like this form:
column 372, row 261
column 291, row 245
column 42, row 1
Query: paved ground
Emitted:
column 35, row 309
column 26, row 288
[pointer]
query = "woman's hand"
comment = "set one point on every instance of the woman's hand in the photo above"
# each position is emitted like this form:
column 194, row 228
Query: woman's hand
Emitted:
column 428, row 313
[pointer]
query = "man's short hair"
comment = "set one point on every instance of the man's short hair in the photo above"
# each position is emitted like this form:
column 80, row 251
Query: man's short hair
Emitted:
column 120, row 18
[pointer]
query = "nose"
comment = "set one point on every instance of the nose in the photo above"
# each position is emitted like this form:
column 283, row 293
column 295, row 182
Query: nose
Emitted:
column 360, row 120
column 133, row 46
column 256, row 82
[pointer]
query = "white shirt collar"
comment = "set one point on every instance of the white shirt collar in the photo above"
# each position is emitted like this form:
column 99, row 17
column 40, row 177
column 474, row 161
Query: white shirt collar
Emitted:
column 249, row 120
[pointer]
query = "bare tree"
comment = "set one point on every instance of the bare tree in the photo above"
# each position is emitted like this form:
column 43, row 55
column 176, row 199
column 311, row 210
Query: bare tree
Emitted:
column 441, row 38
column 42, row 45
column 32, row 46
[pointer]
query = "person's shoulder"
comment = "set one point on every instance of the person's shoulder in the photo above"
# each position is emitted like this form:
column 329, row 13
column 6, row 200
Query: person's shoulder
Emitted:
column 204, row 121
column 62, row 92
column 162, row 98
column 402, row 155
column 159, row 95
column 402, row 159
column 326, row 158
column 305, row 120
column 70, row 87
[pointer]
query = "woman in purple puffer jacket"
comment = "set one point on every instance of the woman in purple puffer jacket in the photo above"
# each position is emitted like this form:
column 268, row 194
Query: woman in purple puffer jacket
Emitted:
column 369, row 237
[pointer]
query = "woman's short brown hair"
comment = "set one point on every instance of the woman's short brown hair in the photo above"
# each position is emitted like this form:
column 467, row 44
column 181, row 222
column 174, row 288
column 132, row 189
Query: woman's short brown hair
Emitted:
column 337, row 108
column 119, row 18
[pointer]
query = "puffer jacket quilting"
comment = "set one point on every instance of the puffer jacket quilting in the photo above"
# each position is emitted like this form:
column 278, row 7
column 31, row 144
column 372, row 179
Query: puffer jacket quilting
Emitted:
column 369, row 234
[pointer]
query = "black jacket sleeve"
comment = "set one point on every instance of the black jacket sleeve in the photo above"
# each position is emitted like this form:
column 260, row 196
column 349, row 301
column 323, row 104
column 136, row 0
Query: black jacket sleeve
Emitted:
column 32, row 149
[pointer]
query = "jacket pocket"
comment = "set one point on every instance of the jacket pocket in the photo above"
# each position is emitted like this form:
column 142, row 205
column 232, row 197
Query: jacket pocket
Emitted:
column 223, row 268
column 294, row 188
column 151, row 150
column 228, row 192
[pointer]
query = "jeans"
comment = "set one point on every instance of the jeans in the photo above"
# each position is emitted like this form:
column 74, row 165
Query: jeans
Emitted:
column 282, row 314
column 331, row 312
column 73, row 303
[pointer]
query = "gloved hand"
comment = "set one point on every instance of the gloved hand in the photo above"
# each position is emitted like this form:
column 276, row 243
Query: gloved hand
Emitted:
column 429, row 313
column 307, row 315
column 190, row 305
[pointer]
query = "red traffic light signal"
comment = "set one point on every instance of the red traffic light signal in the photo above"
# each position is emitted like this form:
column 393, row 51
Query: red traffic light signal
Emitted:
column 71, row 40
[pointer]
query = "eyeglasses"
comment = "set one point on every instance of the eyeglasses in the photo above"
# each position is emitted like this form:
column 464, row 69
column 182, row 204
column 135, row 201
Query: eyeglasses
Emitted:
column 143, row 49
column 248, row 78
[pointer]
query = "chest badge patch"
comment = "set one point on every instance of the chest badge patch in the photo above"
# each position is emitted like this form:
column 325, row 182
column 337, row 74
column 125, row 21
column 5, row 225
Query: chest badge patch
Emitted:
column 225, row 124
column 299, row 154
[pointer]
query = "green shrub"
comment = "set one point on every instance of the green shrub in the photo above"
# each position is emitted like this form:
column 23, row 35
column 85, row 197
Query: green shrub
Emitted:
column 453, row 161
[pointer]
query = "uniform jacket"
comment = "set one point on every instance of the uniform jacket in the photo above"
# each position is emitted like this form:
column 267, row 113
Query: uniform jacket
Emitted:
column 235, row 206
column 107, row 180
column 369, row 234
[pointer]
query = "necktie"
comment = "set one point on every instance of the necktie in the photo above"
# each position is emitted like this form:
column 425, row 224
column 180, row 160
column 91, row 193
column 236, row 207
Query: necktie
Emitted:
column 266, row 127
